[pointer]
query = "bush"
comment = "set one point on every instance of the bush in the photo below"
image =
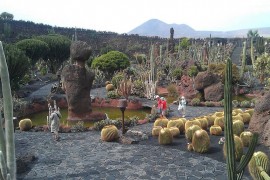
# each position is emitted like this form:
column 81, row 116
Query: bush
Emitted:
column 112, row 94
column 172, row 90
column 235, row 103
column 209, row 104
column 100, row 124
column 192, row 71
column 245, row 104
column 117, row 79
column 138, row 88
column 177, row 73
column 195, row 102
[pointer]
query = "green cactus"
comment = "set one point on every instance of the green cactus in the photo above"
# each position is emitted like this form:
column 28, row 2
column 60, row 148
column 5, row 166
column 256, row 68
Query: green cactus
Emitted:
column 246, row 137
column 220, row 122
column 246, row 117
column 204, row 123
column 243, row 59
column 165, row 137
column 210, row 120
column 191, row 123
column 25, row 124
column 239, row 148
column 233, row 172
column 200, row 141
column 7, row 145
column 161, row 122
column 177, row 123
column 156, row 130
column 174, row 131
column 259, row 159
column 109, row 133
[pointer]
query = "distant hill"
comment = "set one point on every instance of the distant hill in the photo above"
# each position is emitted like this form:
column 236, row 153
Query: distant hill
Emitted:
column 155, row 27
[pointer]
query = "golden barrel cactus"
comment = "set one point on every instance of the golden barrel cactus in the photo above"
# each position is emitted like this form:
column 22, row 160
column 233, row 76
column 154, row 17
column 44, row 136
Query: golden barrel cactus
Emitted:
column 192, row 122
column 246, row 117
column 25, row 124
column 258, row 159
column 220, row 122
column 210, row 120
column 190, row 131
column 238, row 110
column 161, row 122
column 250, row 111
column 204, row 123
column 177, row 123
column 239, row 148
column 200, row 141
column 216, row 130
column 237, row 117
column 109, row 87
column 109, row 133
column 156, row 130
column 246, row 137
column 238, row 127
column 165, row 137
column 174, row 131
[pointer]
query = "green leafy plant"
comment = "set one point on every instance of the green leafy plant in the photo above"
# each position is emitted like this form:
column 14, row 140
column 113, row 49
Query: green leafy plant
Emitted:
column 195, row 102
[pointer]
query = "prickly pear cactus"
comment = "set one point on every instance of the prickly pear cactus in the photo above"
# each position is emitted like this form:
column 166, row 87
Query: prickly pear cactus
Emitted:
column 200, row 141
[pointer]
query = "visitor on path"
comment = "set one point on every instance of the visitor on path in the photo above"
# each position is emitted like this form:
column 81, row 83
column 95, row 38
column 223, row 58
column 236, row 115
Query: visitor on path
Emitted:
column 182, row 106
column 54, row 123
column 159, row 104
column 163, row 107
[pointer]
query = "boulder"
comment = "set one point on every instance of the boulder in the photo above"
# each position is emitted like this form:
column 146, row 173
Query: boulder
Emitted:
column 259, row 122
column 186, row 88
column 204, row 79
column 214, row 92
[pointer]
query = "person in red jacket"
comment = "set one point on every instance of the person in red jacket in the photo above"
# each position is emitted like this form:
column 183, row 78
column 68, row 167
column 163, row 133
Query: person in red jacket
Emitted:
column 159, row 104
column 163, row 107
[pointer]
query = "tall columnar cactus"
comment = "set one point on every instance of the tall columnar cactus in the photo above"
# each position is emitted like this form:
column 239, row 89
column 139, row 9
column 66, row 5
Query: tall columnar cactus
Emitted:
column 7, row 145
column 252, row 54
column 233, row 173
column 124, row 88
column 243, row 59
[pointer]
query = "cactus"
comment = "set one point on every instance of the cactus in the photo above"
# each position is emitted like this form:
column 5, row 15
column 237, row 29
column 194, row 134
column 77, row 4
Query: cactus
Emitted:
column 165, row 136
column 246, row 137
column 243, row 59
column 216, row 130
column 156, row 130
column 191, row 123
column 177, row 123
column 238, row 127
column 250, row 111
column 259, row 159
column 109, row 87
column 233, row 172
column 204, row 123
column 220, row 122
column 161, row 122
column 239, row 148
column 124, row 88
column 174, row 131
column 25, row 124
column 190, row 131
column 237, row 117
column 200, row 141
column 109, row 133
column 246, row 117
column 210, row 120
column 7, row 145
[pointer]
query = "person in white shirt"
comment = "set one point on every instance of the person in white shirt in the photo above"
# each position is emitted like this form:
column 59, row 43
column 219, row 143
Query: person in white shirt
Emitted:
column 182, row 106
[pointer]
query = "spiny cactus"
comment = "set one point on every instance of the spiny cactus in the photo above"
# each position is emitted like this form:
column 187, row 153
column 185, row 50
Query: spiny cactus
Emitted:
column 177, row 123
column 246, row 137
column 210, row 120
column 109, row 133
column 220, row 122
column 7, row 145
column 124, row 88
column 109, row 87
column 259, row 159
column 233, row 172
column 243, row 59
column 190, row 131
column 165, row 137
column 156, row 130
column 238, row 127
column 25, row 124
column 161, row 122
column 200, row 141
column 246, row 117
column 204, row 123
column 174, row 131
column 239, row 148
column 216, row 130
column 250, row 111
column 191, row 123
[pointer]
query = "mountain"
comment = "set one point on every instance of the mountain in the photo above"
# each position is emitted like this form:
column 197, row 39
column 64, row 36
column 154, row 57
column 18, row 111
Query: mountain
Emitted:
column 155, row 27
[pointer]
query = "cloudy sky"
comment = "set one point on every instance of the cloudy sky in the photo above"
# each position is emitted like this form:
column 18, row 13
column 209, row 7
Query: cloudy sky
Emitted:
column 122, row 16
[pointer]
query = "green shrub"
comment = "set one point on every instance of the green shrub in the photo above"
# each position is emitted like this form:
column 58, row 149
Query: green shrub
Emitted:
column 117, row 78
column 235, row 103
column 100, row 124
column 112, row 94
column 177, row 73
column 192, row 71
column 195, row 102
column 209, row 104
column 138, row 88
column 245, row 104
column 172, row 90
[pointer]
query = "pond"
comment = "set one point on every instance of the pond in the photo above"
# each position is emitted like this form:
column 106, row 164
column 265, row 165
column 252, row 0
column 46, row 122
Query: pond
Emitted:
column 39, row 119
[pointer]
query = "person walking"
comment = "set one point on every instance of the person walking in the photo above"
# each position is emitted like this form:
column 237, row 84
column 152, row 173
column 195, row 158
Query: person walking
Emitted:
column 159, row 105
column 54, row 123
column 182, row 106
column 163, row 107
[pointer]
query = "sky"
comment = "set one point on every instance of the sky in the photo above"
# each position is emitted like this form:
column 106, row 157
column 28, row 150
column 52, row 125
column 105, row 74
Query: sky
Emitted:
column 121, row 16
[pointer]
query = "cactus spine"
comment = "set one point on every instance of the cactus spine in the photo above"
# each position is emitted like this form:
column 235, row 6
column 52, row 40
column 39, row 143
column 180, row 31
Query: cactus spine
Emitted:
column 233, row 173
column 7, row 145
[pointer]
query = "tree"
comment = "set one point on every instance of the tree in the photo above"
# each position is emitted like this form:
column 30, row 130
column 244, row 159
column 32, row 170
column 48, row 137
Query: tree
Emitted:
column 111, row 62
column 35, row 49
column 18, row 64
column 59, row 49
column 6, row 16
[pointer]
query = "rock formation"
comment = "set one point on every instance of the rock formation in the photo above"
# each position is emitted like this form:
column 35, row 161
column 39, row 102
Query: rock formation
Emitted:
column 260, row 120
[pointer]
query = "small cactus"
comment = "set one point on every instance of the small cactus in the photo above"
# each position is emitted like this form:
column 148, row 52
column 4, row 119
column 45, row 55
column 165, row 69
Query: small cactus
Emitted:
column 190, row 147
column 220, row 122
column 109, row 87
column 246, row 117
column 210, row 120
column 174, row 131
column 177, row 123
column 156, row 130
column 250, row 111
column 165, row 137
column 161, row 122
column 25, row 124
column 109, row 133
column 192, row 122
column 258, row 159
column 238, row 127
column 237, row 117
column 190, row 131
column 204, row 123
column 216, row 130
column 246, row 137
column 200, row 141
